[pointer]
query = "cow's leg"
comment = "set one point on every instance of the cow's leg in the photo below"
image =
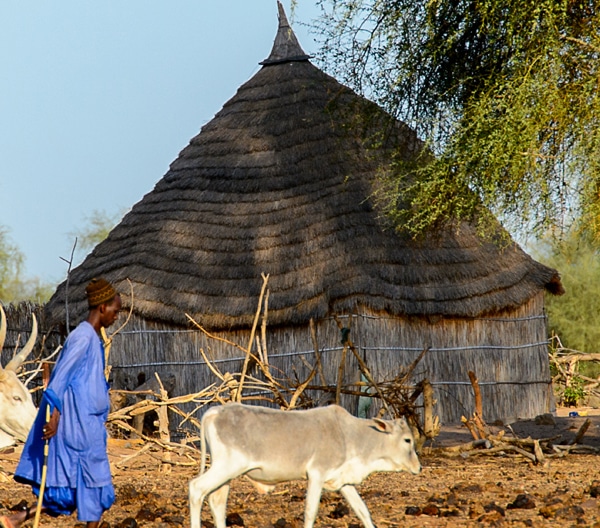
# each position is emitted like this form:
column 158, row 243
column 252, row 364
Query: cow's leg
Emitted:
column 357, row 504
column 202, row 486
column 196, row 497
column 313, row 497
column 217, row 501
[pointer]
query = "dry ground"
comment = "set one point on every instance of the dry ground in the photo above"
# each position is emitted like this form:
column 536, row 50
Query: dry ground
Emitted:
column 481, row 490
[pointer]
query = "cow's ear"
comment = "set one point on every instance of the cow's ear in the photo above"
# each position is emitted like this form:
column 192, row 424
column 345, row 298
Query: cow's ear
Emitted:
column 382, row 425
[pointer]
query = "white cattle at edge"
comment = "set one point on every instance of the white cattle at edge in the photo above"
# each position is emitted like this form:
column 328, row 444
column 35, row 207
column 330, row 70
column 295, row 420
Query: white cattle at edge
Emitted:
column 17, row 411
column 327, row 446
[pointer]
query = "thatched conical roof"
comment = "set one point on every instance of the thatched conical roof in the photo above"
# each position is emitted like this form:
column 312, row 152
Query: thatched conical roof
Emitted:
column 279, row 182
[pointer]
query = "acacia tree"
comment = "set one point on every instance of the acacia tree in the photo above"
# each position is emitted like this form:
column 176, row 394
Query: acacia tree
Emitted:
column 505, row 95
column 574, row 317
column 96, row 227
column 11, row 265
column 13, row 285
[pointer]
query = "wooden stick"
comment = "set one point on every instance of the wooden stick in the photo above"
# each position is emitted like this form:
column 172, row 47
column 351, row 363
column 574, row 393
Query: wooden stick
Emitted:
column 263, row 331
column 340, row 376
column 313, row 335
column 472, row 429
column 163, row 425
column 428, row 402
column 582, row 430
column 476, row 392
column 251, row 340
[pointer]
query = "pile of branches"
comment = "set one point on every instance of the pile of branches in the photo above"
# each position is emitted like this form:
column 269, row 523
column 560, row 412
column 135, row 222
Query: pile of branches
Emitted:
column 259, row 382
column 536, row 451
column 567, row 379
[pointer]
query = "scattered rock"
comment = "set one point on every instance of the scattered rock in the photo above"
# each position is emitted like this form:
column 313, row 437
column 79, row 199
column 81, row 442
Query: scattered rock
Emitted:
column 432, row 510
column 523, row 501
column 150, row 512
column 340, row 510
column 545, row 419
column 234, row 519
column 413, row 510
column 129, row 522
column 549, row 510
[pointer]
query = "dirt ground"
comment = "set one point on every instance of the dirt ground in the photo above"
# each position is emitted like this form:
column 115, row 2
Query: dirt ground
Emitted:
column 479, row 490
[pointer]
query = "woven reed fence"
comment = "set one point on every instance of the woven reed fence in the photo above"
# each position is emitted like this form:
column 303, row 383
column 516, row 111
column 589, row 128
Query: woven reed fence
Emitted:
column 18, row 330
column 508, row 353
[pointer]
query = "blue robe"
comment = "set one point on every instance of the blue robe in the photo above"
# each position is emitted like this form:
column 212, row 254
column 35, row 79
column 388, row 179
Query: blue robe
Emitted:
column 78, row 472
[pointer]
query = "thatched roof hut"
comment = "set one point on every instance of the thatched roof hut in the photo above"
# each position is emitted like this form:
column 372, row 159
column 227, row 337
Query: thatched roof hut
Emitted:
column 281, row 182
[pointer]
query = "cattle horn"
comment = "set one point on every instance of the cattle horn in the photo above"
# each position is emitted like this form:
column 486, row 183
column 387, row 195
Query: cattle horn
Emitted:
column 2, row 330
column 16, row 361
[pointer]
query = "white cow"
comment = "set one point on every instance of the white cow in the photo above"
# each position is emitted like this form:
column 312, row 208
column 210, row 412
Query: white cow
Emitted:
column 17, row 411
column 328, row 446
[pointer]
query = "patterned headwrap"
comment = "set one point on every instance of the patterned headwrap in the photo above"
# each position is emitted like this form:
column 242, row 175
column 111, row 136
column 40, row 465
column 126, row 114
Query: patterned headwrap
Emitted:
column 99, row 291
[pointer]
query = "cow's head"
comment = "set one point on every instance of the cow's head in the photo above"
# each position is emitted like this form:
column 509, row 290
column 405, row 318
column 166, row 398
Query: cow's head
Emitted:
column 402, row 444
column 17, row 411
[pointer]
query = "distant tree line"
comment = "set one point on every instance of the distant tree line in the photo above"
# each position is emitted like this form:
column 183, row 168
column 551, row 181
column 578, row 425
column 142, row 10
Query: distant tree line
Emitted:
column 15, row 286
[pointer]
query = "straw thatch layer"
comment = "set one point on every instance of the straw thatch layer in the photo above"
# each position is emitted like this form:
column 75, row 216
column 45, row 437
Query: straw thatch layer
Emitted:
column 281, row 182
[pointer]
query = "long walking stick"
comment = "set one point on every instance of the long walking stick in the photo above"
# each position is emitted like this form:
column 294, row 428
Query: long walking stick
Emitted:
column 38, row 510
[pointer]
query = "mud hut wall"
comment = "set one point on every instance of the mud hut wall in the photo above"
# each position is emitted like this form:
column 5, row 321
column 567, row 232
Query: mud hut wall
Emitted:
column 507, row 352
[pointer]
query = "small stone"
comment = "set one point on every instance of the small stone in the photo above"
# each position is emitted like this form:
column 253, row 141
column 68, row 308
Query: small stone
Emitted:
column 545, row 419
column 413, row 510
column 234, row 519
column 523, row 501
column 431, row 510
column 340, row 510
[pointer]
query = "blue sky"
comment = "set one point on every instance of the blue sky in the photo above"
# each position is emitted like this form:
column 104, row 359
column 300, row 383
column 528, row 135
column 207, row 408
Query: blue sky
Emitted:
column 99, row 97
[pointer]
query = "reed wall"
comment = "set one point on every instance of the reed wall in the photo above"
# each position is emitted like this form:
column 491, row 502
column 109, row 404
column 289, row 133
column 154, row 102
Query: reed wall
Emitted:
column 507, row 352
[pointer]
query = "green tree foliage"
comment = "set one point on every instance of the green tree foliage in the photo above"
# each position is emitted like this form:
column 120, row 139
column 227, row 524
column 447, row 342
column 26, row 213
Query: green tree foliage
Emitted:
column 95, row 228
column 11, row 266
column 13, row 285
column 575, row 317
column 505, row 94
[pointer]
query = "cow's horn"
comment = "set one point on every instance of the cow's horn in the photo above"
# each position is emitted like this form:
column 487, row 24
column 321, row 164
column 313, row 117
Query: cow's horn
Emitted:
column 16, row 362
column 2, row 330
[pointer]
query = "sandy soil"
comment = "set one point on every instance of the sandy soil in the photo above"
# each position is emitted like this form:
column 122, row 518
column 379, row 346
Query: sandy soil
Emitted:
column 478, row 490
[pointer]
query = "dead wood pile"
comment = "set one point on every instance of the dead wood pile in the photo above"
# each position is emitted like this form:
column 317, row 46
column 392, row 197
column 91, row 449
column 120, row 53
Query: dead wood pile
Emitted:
column 258, row 382
column 536, row 451
column 564, row 363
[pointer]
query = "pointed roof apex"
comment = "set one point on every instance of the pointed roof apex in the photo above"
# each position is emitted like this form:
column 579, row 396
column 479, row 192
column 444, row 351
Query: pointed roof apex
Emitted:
column 286, row 47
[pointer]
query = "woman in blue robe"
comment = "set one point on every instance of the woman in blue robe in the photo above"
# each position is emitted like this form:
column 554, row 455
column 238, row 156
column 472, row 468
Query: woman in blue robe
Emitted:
column 78, row 471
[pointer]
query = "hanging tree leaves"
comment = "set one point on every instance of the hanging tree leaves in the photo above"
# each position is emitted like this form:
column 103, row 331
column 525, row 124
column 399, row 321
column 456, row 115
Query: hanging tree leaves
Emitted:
column 505, row 95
